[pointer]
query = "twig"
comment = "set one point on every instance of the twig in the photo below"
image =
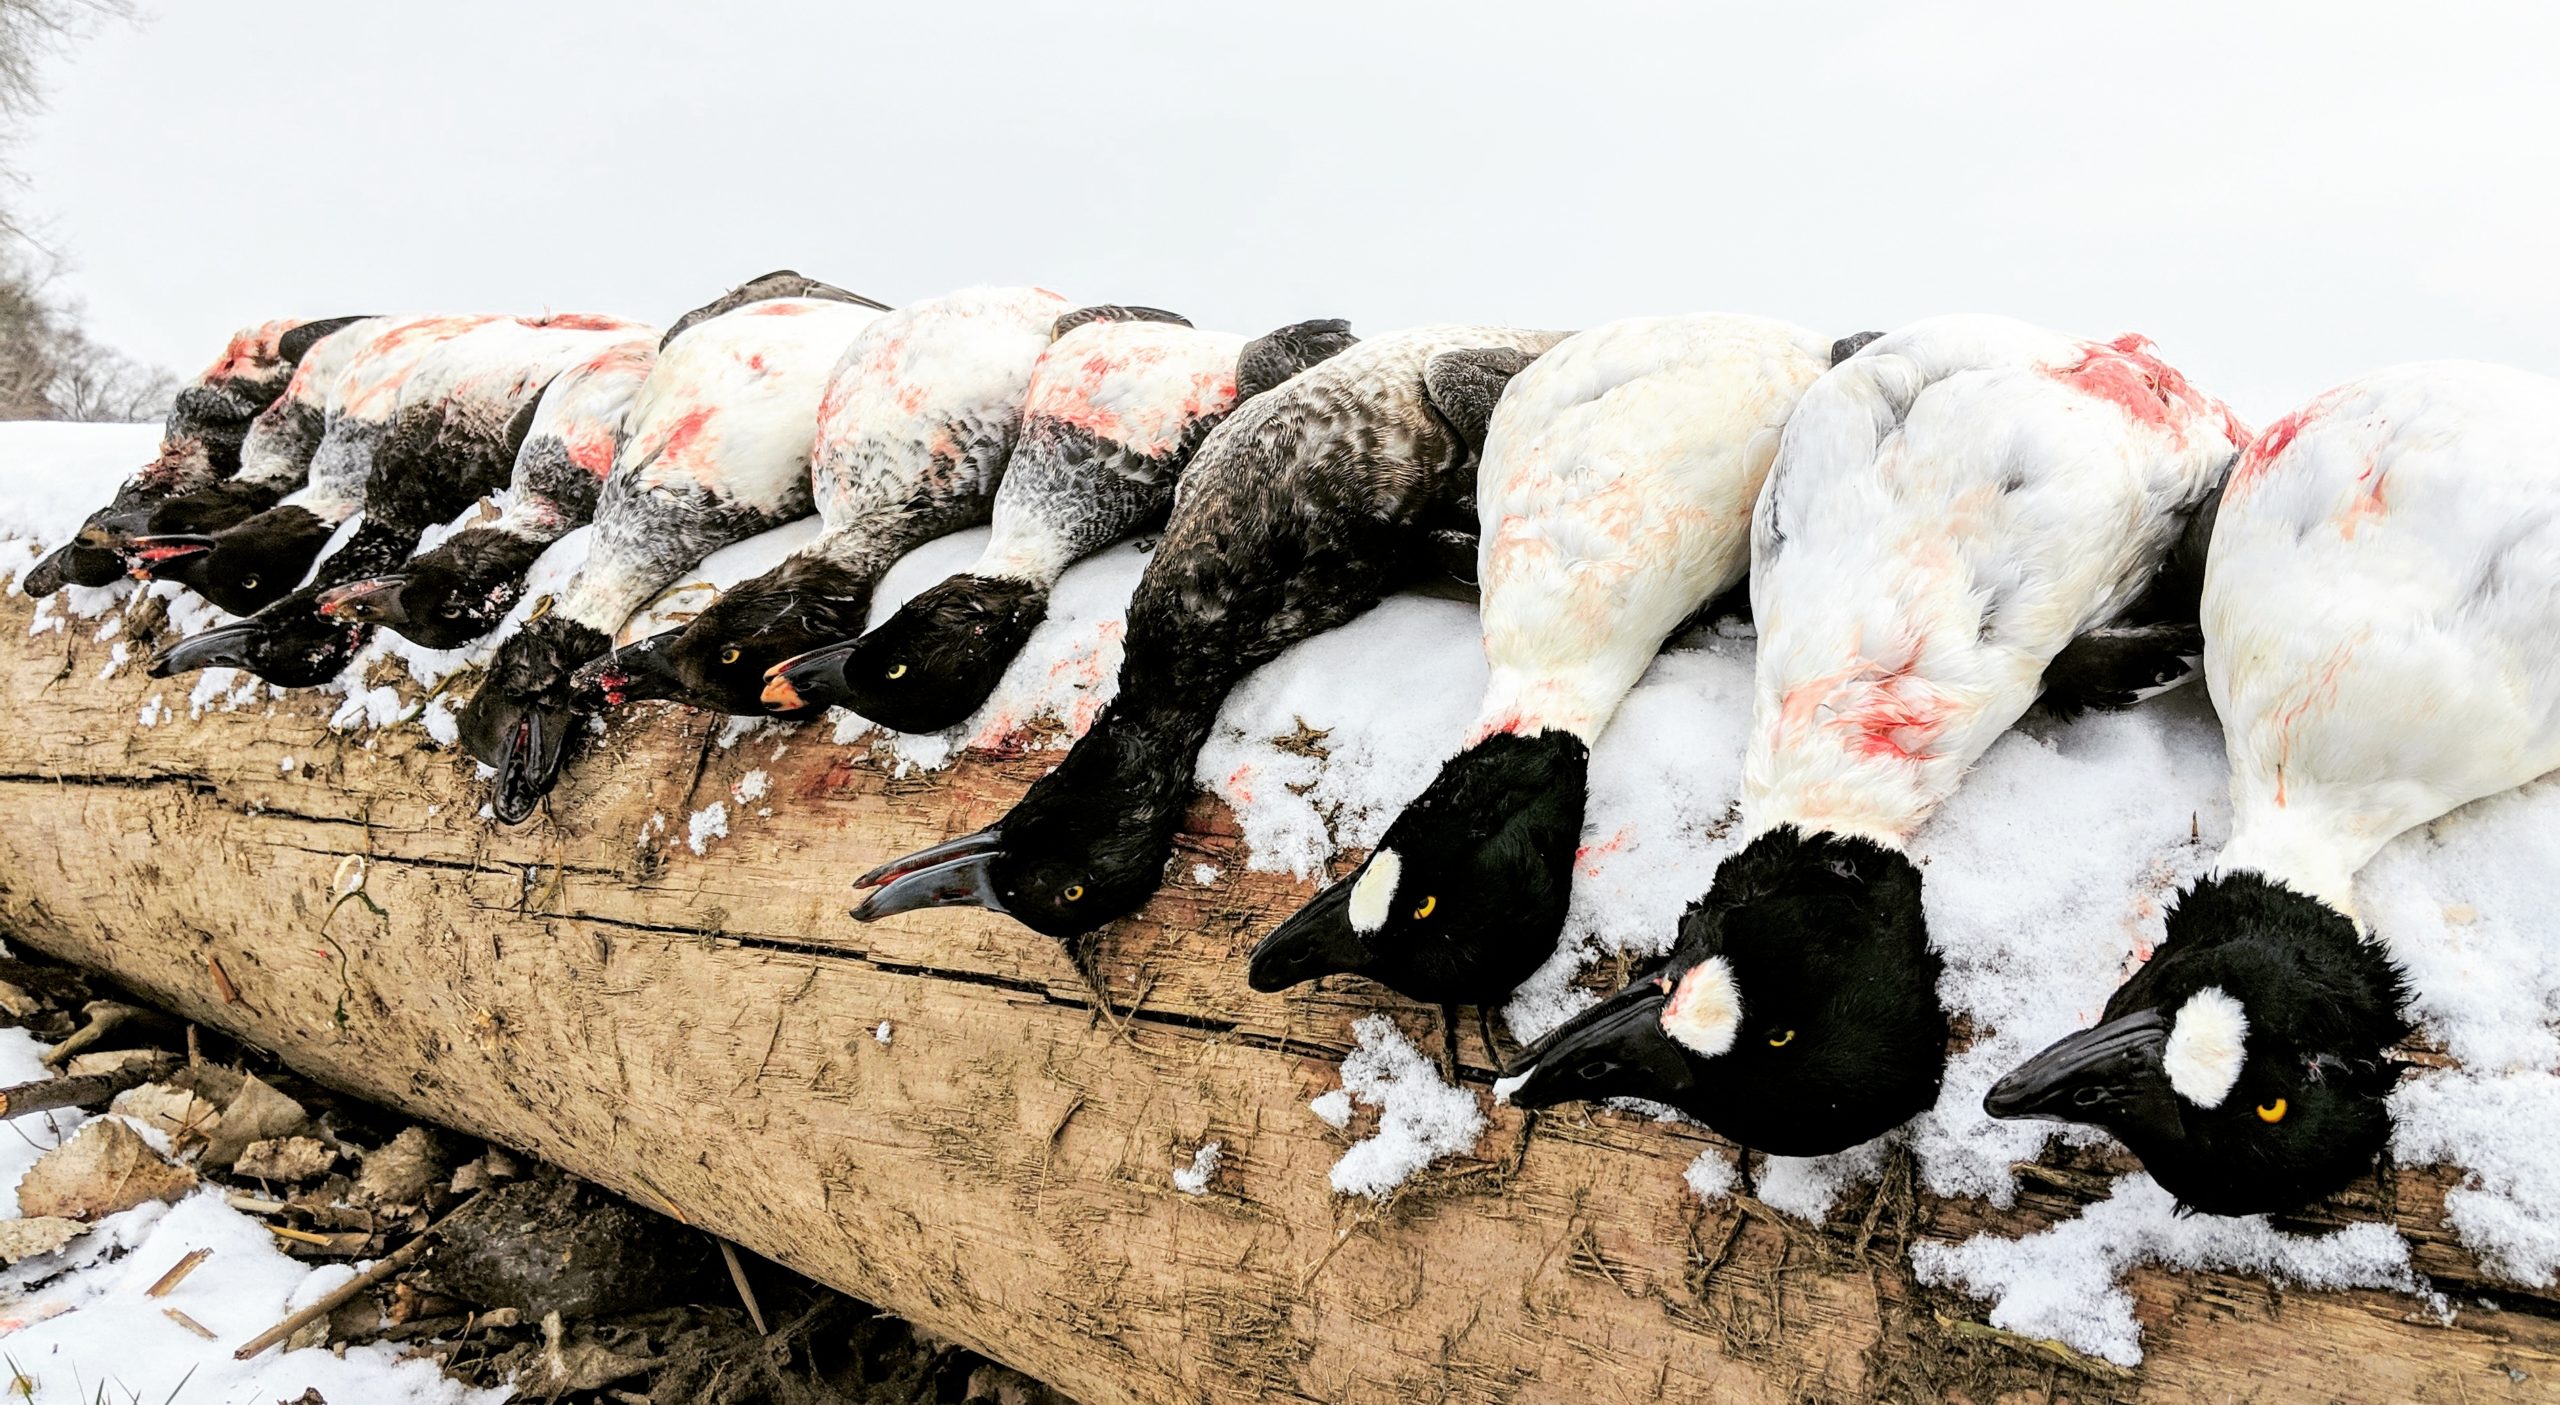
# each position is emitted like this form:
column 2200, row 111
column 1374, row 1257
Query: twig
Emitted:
column 103, row 1015
column 187, row 1322
column 87, row 1090
column 177, row 1273
column 738, row 1275
column 345, row 1293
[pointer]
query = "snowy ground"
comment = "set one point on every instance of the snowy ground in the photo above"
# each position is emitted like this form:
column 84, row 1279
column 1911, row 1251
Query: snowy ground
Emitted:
column 76, row 1326
column 2045, row 882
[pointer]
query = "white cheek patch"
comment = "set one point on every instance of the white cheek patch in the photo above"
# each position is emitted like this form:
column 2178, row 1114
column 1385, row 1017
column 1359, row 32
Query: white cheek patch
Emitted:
column 1705, row 1010
column 2207, row 1044
column 1375, row 890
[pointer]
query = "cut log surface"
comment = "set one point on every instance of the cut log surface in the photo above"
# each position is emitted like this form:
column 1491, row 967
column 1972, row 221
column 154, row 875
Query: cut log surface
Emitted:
column 698, row 1033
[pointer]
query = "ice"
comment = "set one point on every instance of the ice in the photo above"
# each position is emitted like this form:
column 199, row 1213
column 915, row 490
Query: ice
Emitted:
column 1420, row 1117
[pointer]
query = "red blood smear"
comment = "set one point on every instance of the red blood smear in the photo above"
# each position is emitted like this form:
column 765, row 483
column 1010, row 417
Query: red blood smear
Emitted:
column 590, row 447
column 2129, row 374
column 2267, row 447
column 687, row 430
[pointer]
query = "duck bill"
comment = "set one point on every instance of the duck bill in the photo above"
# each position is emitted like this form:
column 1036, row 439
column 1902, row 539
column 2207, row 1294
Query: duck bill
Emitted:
column 1616, row 1049
column 528, row 761
column 375, row 601
column 955, row 873
column 147, row 558
column 638, row 672
column 2114, row 1076
column 809, row 681
column 225, row 646
column 1318, row 941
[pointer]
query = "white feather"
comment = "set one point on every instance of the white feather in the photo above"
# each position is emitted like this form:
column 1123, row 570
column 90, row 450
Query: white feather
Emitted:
column 1374, row 891
column 2380, row 615
column 1705, row 1012
column 1950, row 508
column 1615, row 498
column 2208, row 1043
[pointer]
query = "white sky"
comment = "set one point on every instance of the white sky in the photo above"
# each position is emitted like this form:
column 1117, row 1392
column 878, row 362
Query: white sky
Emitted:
column 2282, row 196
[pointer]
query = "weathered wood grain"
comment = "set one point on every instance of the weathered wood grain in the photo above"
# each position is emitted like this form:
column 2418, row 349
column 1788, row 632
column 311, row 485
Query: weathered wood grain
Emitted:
column 698, row 1033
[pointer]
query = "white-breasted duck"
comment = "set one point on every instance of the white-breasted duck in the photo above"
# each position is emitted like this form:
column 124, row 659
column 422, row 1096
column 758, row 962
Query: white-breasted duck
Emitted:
column 716, row 451
column 1119, row 403
column 2379, row 606
column 446, row 597
column 457, row 421
column 200, row 445
column 1952, row 507
column 1300, row 512
column 317, row 479
column 913, row 431
column 1614, row 502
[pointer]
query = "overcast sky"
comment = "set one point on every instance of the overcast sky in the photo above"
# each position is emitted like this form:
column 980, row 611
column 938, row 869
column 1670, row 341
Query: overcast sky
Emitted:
column 2281, row 196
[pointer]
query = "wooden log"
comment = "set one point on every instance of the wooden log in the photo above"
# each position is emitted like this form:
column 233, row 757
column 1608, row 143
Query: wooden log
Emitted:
column 697, row 1032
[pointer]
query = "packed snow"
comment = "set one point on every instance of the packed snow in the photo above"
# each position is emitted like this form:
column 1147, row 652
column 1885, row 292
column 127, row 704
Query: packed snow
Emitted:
column 78, row 1327
column 706, row 824
column 2046, row 874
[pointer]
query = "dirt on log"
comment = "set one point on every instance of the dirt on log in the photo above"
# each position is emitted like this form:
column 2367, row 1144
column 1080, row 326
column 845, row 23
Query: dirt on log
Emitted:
column 700, row 1033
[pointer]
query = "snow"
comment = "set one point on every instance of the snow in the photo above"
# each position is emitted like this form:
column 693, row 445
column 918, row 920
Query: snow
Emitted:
column 59, row 474
column 1204, row 874
column 1194, row 1179
column 883, row 1034
column 706, row 824
column 1332, row 1109
column 1420, row 1117
column 751, row 787
column 1711, row 1176
column 2063, row 1283
column 79, row 1327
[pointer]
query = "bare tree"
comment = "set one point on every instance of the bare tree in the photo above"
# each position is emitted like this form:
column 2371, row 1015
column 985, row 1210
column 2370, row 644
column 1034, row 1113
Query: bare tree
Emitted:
column 49, row 367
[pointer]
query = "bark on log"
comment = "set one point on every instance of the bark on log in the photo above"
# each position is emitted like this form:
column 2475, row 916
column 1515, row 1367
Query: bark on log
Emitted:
column 697, row 1033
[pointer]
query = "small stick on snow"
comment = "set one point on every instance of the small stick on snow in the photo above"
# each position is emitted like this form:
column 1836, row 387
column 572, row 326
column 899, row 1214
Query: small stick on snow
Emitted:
column 177, row 1273
column 187, row 1322
column 88, row 1090
column 346, row 1292
column 738, row 1275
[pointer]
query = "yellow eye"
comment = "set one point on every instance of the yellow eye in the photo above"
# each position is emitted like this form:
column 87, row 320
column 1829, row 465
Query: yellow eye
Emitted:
column 2271, row 1112
column 248, row 582
column 729, row 655
column 1783, row 1040
column 897, row 670
column 540, row 608
column 1074, row 892
column 1429, row 902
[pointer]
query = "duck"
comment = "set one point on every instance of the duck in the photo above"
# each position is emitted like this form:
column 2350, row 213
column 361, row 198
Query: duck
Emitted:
column 716, row 450
column 1614, row 502
column 913, row 431
column 1300, row 512
column 452, row 435
column 462, row 588
column 240, row 553
column 1118, row 405
column 200, row 444
column 2380, row 596
column 1952, row 506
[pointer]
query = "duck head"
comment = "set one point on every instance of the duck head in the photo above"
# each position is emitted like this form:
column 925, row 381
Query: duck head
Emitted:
column 1087, row 843
column 719, row 660
column 1464, row 896
column 1799, row 1014
column 2247, row 1063
column 242, row 568
column 443, row 598
column 289, row 643
column 521, row 720
column 927, row 667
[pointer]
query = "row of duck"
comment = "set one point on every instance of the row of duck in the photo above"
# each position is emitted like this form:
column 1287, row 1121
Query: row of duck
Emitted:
column 1938, row 527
